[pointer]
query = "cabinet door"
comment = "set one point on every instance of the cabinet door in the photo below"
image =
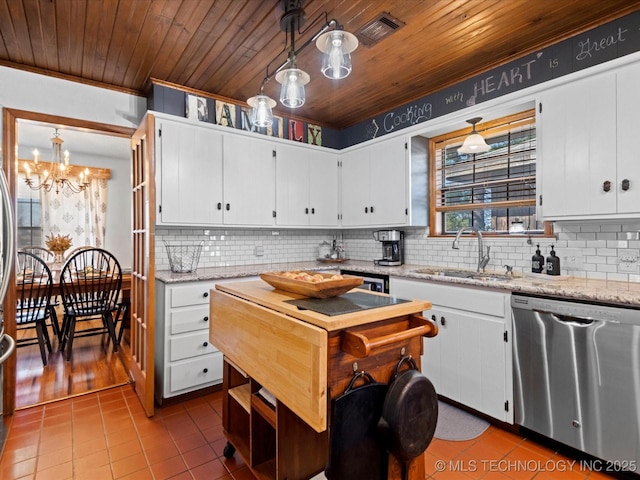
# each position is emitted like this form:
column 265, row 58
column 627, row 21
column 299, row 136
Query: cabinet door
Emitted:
column 388, row 182
column 292, row 186
column 323, row 189
column 190, row 174
column 469, row 360
column 355, row 188
column 578, row 136
column 249, row 181
column 627, row 125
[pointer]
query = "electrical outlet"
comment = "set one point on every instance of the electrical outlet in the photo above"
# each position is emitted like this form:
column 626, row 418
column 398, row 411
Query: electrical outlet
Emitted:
column 571, row 259
column 259, row 250
column 627, row 263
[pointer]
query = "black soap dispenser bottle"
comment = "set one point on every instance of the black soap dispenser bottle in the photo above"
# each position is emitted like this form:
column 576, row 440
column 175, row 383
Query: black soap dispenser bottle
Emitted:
column 537, row 261
column 553, row 263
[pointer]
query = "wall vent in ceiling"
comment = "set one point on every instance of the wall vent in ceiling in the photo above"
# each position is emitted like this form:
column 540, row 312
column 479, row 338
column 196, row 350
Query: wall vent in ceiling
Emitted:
column 379, row 28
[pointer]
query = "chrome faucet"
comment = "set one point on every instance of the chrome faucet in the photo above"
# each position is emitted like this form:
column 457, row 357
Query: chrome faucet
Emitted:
column 482, row 258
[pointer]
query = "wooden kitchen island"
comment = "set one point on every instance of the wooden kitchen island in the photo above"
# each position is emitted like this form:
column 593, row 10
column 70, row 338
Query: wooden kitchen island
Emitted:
column 304, row 359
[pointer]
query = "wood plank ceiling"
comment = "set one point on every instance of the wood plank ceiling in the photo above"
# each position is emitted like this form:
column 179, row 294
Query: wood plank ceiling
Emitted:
column 223, row 47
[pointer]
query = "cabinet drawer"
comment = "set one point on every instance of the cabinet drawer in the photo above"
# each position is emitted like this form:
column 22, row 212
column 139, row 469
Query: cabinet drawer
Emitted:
column 189, row 319
column 194, row 294
column 470, row 299
column 197, row 371
column 191, row 345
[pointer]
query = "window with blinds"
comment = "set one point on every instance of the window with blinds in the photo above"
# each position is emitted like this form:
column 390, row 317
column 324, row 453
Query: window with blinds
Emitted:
column 493, row 191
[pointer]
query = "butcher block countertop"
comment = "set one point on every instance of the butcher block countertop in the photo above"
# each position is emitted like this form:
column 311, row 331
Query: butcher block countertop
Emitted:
column 564, row 287
column 263, row 294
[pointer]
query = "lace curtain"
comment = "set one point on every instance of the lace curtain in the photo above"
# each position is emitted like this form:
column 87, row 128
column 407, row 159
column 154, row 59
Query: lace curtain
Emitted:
column 82, row 216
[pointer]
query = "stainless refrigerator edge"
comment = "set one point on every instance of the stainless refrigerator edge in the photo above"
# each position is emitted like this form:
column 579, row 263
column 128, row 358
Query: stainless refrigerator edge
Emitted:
column 7, row 253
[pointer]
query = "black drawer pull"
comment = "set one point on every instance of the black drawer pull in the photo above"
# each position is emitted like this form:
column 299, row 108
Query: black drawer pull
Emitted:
column 443, row 321
column 206, row 319
column 205, row 344
column 205, row 294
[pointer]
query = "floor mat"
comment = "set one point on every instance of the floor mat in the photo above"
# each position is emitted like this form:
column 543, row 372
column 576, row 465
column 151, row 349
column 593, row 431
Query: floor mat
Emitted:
column 456, row 424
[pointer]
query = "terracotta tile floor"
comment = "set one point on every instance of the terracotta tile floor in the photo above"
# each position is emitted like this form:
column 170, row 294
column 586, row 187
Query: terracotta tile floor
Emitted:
column 106, row 435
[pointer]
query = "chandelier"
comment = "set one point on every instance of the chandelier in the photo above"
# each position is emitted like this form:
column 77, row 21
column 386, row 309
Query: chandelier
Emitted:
column 335, row 44
column 55, row 175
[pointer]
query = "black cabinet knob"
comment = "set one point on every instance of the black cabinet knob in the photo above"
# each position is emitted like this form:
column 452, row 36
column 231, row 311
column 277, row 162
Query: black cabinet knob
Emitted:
column 371, row 209
column 205, row 370
column 606, row 186
column 366, row 209
column 433, row 317
column 306, row 211
column 625, row 184
column 228, row 207
column 219, row 205
column 313, row 211
column 205, row 344
column 443, row 321
column 206, row 319
column 205, row 294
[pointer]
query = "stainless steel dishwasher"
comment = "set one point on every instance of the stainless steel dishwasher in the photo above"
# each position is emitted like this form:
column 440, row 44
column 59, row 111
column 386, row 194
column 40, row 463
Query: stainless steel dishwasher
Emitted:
column 577, row 376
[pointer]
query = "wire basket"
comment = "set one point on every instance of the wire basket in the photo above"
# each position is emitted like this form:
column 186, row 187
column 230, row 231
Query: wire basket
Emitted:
column 183, row 258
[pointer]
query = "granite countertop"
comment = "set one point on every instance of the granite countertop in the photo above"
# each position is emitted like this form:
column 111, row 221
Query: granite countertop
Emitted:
column 564, row 287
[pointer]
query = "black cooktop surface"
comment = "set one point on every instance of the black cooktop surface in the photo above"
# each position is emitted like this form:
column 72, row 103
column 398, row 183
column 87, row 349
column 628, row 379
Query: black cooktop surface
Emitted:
column 347, row 303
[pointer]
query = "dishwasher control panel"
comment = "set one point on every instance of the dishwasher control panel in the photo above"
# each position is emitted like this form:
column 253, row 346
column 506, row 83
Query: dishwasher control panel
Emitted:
column 576, row 310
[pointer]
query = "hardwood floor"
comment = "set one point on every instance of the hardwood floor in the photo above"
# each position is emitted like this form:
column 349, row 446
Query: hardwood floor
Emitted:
column 94, row 366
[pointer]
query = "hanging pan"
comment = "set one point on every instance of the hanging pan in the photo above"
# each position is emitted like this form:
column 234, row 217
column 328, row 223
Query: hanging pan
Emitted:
column 409, row 414
column 356, row 448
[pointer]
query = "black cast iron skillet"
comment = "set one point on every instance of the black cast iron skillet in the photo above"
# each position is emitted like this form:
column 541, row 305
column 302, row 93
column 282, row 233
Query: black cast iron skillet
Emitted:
column 409, row 414
column 356, row 448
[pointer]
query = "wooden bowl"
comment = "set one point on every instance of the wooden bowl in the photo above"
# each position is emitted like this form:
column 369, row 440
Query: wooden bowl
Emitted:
column 324, row 289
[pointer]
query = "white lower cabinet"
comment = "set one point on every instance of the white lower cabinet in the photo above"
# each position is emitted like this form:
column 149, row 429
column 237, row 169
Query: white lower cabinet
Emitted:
column 184, row 359
column 470, row 360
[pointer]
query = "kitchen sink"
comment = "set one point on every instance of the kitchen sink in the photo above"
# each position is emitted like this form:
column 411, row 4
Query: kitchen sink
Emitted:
column 451, row 272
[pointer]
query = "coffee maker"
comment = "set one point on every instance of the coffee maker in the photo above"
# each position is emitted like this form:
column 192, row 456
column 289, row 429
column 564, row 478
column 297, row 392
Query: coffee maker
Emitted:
column 392, row 247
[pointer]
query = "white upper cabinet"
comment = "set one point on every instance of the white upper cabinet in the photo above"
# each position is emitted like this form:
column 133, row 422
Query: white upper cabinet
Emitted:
column 628, row 178
column 374, row 184
column 306, row 187
column 189, row 174
column 249, row 181
column 587, row 130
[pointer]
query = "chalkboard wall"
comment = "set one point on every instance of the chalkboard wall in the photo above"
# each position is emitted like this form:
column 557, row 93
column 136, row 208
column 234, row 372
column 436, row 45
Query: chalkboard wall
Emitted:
column 607, row 42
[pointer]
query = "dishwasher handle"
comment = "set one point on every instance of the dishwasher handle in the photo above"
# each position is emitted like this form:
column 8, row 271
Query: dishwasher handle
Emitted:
column 573, row 320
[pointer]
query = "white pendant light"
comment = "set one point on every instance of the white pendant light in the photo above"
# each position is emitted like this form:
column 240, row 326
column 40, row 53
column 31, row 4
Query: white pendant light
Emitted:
column 336, row 46
column 474, row 143
column 293, row 81
column 262, row 113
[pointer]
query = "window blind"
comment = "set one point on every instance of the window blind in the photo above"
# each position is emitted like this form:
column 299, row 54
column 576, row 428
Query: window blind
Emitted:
column 488, row 190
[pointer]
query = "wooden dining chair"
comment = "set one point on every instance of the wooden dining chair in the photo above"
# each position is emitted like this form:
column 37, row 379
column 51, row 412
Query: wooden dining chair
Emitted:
column 90, row 284
column 48, row 257
column 75, row 250
column 34, row 288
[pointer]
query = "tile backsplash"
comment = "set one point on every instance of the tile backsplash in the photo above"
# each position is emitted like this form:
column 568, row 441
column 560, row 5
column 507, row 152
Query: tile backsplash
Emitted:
column 590, row 250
